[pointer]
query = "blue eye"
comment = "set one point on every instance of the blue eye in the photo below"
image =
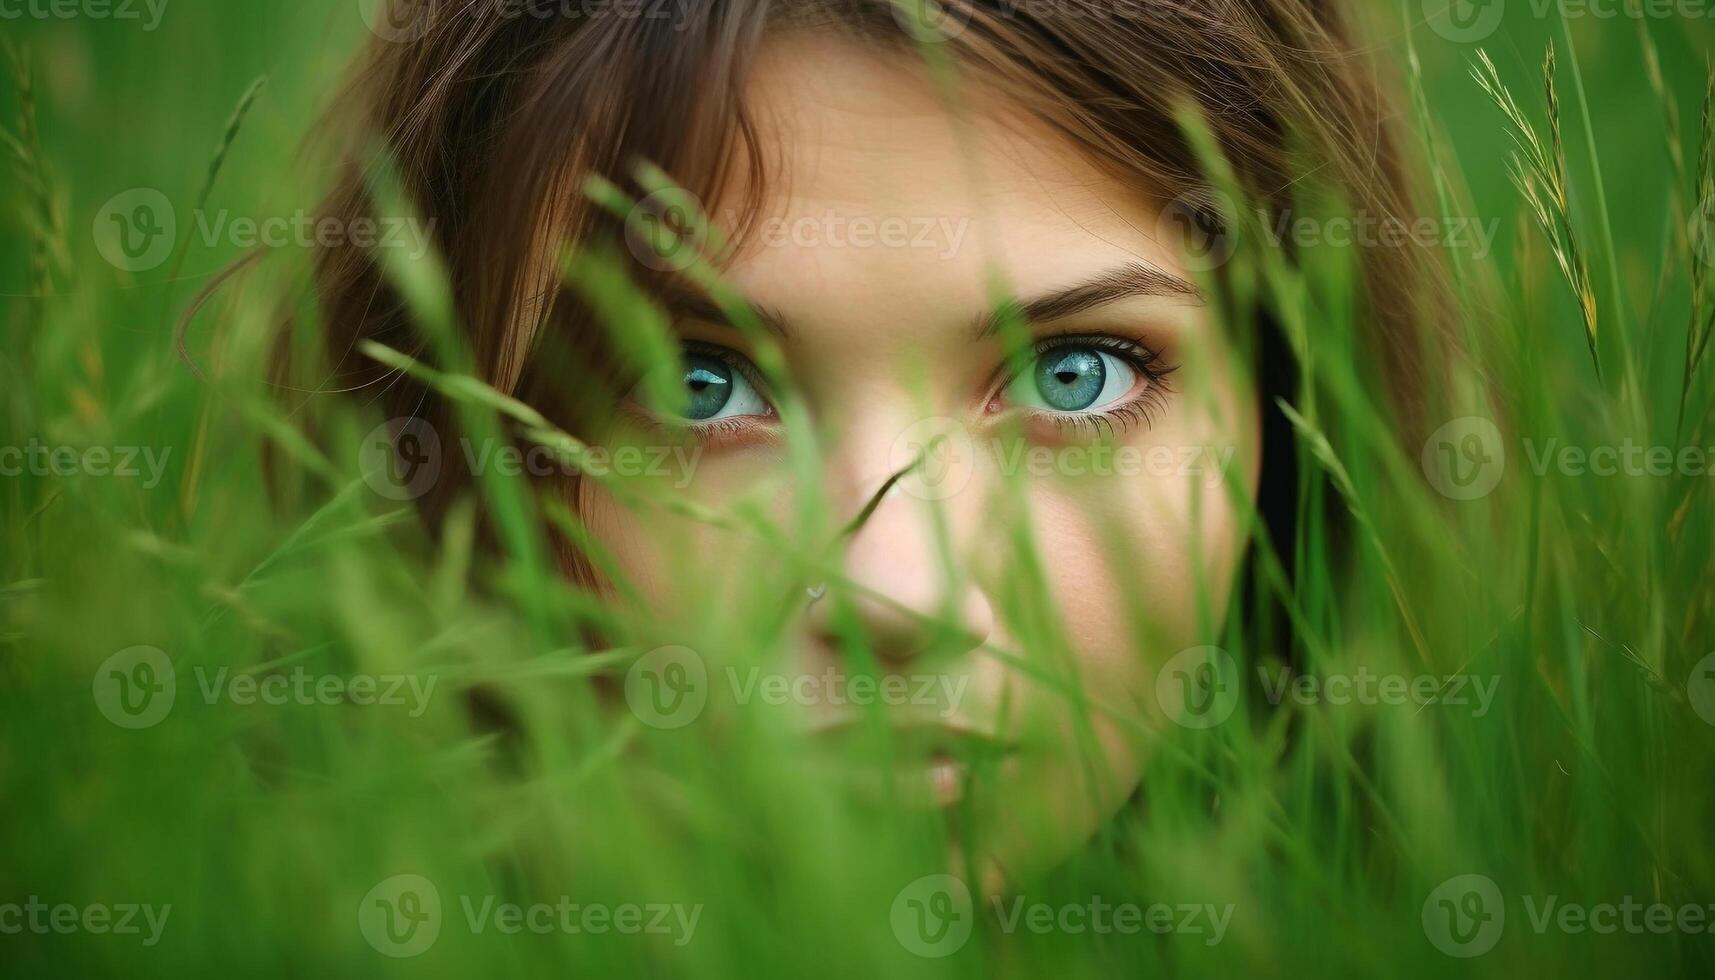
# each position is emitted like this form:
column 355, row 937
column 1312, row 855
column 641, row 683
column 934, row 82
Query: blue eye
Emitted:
column 717, row 388
column 1073, row 378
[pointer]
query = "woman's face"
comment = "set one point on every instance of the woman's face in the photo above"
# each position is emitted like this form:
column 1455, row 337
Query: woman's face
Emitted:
column 1102, row 444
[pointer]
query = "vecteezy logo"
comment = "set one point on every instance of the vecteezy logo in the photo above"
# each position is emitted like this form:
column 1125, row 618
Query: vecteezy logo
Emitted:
column 937, row 456
column 1199, row 687
column 1464, row 916
column 1196, row 227
column 401, row 916
column 665, row 231
column 933, row 916
column 1700, row 689
column 668, row 687
column 135, row 687
column 401, row 458
column 1464, row 21
column 929, row 21
column 135, row 231
column 1465, row 458
column 399, row 21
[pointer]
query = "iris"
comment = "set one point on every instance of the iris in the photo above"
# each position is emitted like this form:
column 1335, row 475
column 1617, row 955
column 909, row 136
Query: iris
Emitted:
column 1070, row 379
column 708, row 386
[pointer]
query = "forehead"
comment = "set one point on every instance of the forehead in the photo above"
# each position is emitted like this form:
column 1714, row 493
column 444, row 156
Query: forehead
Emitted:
column 881, row 204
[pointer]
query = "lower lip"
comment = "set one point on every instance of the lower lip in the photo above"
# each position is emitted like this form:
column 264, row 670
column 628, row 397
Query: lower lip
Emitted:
column 936, row 783
column 946, row 778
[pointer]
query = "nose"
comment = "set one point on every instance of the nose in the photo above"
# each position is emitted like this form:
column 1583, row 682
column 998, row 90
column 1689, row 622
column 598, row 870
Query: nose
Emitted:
column 909, row 595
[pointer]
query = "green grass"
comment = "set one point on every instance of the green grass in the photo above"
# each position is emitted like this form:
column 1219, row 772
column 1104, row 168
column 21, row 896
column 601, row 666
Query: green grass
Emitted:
column 1584, row 600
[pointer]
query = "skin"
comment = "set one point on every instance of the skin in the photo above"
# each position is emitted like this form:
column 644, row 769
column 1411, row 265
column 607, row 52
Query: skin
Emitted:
column 878, row 337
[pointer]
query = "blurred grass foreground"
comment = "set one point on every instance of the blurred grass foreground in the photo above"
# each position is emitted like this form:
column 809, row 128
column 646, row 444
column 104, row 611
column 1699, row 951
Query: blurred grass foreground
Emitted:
column 256, row 719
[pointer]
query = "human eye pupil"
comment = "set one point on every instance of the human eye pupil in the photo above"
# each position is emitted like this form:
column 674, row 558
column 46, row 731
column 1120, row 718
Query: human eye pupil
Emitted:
column 1070, row 380
column 708, row 384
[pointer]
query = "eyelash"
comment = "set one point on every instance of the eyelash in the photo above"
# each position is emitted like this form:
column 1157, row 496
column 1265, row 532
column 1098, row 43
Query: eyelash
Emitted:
column 1139, row 409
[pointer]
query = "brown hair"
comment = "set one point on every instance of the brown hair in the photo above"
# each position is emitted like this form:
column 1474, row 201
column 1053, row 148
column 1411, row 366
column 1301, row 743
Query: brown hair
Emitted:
column 494, row 111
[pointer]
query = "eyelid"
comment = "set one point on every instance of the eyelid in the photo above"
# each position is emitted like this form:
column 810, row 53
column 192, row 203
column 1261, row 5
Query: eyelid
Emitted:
column 1105, row 340
column 1142, row 354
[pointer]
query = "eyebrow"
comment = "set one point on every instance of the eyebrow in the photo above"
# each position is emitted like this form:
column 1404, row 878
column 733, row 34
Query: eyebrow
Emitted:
column 684, row 304
column 1131, row 279
column 1121, row 282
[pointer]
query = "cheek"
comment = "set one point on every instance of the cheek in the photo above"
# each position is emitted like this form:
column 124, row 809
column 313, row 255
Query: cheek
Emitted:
column 1117, row 554
column 1136, row 545
column 1134, row 565
column 685, row 570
